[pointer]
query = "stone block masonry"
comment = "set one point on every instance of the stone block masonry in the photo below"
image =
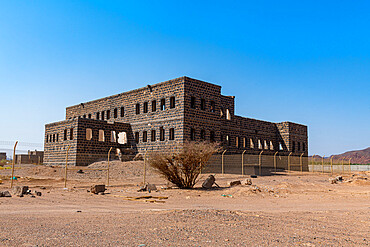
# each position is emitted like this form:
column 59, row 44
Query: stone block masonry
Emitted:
column 162, row 116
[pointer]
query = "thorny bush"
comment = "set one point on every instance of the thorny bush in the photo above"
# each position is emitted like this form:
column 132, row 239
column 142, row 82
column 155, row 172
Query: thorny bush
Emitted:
column 183, row 164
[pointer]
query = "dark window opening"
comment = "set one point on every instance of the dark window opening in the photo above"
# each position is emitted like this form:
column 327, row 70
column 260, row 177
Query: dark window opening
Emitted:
column 303, row 147
column 145, row 136
column 213, row 106
column 108, row 114
column 222, row 138
column 293, row 148
column 161, row 133
column 137, row 137
column 65, row 135
column 153, row 136
column 172, row 134
column 98, row 115
column 57, row 137
column 192, row 102
column 228, row 140
column 212, row 136
column 202, row 134
column 122, row 111
column 154, row 105
column 299, row 146
column 71, row 134
column 84, row 116
column 115, row 113
column 53, row 137
column 238, row 142
column 102, row 115
column 145, row 107
column 89, row 116
column 203, row 104
column 163, row 104
column 192, row 134
column 137, row 108
column 47, row 138
column 172, row 102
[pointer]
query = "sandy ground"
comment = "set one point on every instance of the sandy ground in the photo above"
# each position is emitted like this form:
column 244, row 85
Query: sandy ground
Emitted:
column 282, row 210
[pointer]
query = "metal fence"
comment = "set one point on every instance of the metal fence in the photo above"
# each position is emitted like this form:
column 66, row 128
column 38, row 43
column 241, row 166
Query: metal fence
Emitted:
column 229, row 163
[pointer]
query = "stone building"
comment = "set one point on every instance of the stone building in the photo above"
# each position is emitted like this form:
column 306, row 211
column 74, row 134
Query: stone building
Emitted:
column 32, row 157
column 160, row 116
column 2, row 156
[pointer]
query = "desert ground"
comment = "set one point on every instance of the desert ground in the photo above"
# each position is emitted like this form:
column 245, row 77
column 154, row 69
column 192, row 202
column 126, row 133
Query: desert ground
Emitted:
column 287, row 209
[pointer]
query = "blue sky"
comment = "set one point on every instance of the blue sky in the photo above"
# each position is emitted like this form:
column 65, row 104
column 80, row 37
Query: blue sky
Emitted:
column 301, row 61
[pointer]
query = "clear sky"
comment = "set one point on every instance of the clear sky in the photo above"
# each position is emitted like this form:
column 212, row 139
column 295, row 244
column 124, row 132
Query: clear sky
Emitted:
column 300, row 61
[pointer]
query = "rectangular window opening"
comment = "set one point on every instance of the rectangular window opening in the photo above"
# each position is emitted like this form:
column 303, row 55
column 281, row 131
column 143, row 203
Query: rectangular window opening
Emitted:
column 145, row 107
column 145, row 136
column 71, row 134
column 101, row 136
column 122, row 111
column 172, row 102
column 163, row 104
column 137, row 109
column 192, row 102
column 203, row 104
column 161, row 133
column 153, row 136
column 192, row 134
column 172, row 134
column 202, row 134
column 154, row 105
column 88, row 134
column 137, row 137
column 213, row 107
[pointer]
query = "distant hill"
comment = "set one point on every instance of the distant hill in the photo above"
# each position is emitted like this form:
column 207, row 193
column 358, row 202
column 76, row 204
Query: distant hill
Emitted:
column 356, row 156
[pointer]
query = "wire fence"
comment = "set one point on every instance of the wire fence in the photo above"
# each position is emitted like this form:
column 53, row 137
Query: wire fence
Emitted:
column 225, row 163
column 267, row 164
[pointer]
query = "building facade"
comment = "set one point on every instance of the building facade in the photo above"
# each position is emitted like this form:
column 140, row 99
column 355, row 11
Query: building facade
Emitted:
column 161, row 116
column 32, row 157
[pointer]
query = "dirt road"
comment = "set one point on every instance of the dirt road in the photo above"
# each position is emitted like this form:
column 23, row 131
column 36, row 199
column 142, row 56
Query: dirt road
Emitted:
column 282, row 210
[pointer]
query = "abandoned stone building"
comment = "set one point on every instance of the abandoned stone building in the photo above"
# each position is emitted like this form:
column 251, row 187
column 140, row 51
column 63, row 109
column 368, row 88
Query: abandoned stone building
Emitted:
column 160, row 116
column 32, row 157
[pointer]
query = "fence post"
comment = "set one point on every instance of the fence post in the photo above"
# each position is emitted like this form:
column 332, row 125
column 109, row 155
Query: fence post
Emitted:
column 65, row 170
column 108, row 167
column 331, row 165
column 13, row 164
column 322, row 163
column 144, row 179
column 222, row 161
column 313, row 163
column 349, row 163
column 342, row 165
column 243, row 162
column 301, row 163
column 275, row 160
column 289, row 161
column 260, row 163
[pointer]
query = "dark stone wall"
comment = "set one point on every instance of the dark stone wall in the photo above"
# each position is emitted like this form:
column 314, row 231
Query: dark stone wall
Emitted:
column 82, row 151
column 199, row 113
column 144, row 121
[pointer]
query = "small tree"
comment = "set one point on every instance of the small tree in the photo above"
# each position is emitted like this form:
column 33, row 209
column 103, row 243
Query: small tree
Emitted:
column 183, row 164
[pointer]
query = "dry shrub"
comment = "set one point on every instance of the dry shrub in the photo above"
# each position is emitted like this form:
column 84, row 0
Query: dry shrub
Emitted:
column 183, row 164
column 3, row 162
